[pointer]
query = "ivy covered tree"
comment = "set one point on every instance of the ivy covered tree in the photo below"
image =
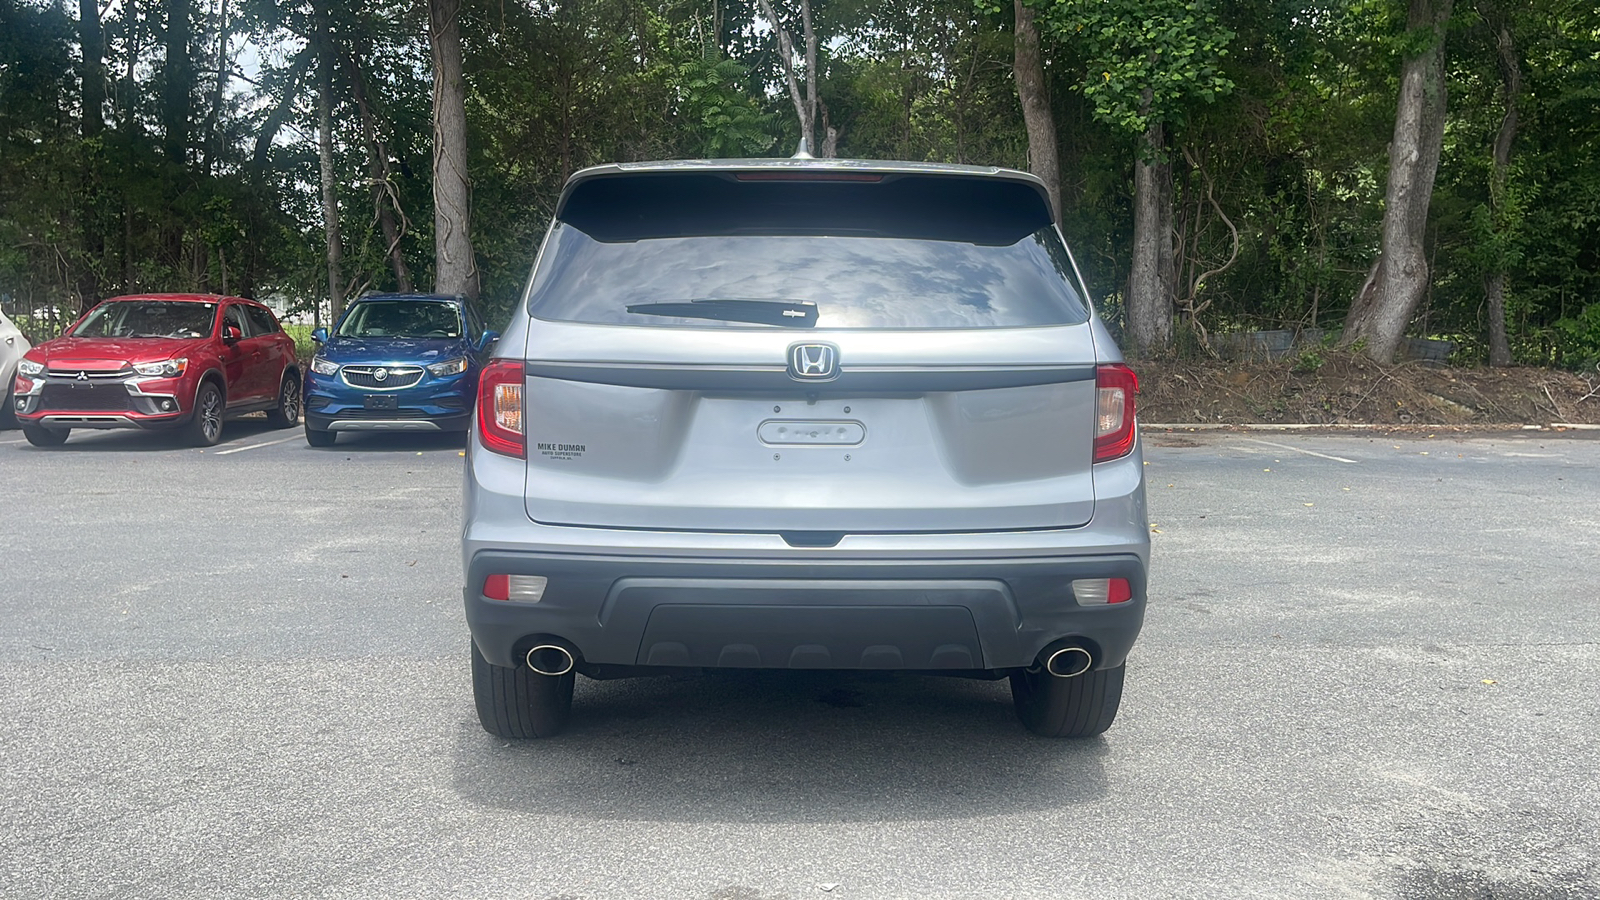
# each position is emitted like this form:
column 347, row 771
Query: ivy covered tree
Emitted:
column 1148, row 65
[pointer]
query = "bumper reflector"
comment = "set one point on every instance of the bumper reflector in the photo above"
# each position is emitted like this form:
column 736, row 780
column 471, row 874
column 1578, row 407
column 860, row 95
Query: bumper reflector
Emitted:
column 1101, row 591
column 519, row 588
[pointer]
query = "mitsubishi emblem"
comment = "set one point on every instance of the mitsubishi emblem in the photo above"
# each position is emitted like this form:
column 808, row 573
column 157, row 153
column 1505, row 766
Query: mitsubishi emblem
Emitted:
column 83, row 376
column 813, row 362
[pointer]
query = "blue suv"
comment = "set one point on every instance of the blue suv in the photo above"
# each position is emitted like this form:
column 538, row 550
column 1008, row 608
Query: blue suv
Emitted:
column 396, row 362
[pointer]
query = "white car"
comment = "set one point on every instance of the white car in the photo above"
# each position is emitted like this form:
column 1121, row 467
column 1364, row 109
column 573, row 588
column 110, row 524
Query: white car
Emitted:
column 12, row 346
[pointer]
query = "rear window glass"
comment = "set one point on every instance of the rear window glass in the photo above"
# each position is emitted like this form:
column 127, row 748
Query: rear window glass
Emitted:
column 701, row 251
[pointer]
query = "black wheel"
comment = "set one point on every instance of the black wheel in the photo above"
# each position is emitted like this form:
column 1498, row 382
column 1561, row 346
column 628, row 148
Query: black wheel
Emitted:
column 8, row 410
column 519, row 702
column 1067, row 707
column 320, row 438
column 205, row 429
column 45, row 437
column 287, row 414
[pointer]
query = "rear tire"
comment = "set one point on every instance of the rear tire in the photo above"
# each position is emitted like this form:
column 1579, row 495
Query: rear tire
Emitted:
column 205, row 427
column 519, row 702
column 287, row 415
column 1068, row 707
column 45, row 437
column 8, row 411
column 320, row 438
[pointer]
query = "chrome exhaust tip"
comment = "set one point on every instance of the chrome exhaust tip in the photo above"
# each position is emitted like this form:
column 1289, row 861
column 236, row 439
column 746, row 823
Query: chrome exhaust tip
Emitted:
column 551, row 659
column 1069, row 662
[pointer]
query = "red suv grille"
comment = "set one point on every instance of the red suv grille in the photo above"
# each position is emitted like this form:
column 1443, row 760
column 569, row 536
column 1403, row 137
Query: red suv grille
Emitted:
column 100, row 398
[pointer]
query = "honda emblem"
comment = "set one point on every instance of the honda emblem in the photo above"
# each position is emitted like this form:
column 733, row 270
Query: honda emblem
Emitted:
column 813, row 362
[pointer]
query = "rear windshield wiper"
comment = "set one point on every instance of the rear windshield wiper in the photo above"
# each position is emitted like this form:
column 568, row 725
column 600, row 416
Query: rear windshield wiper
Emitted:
column 786, row 313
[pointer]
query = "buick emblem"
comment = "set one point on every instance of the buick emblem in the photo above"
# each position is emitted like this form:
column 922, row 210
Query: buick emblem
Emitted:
column 380, row 375
column 813, row 362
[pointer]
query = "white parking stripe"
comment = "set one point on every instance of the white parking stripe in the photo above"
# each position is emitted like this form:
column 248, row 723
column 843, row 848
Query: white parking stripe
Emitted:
column 24, row 441
column 1299, row 450
column 256, row 446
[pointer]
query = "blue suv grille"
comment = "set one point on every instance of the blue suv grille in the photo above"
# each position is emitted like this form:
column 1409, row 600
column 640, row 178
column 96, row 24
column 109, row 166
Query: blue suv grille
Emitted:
column 392, row 378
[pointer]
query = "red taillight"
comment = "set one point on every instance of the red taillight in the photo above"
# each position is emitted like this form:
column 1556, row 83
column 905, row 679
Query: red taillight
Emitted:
column 521, row 588
column 500, row 408
column 1119, row 591
column 497, row 587
column 1115, row 388
column 1098, row 591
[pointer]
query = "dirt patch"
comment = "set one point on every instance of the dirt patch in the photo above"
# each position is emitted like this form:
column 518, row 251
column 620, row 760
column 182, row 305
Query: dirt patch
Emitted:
column 1331, row 388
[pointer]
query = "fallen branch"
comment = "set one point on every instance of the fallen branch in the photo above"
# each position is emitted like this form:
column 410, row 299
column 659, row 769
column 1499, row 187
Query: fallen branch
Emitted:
column 1594, row 389
column 1383, row 376
column 1554, row 406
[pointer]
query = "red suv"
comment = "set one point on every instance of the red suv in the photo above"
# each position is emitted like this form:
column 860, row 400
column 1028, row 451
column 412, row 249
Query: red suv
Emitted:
column 160, row 361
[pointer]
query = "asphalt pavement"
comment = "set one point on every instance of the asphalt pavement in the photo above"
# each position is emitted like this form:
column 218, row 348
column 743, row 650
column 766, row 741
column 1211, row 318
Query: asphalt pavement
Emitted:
column 1369, row 669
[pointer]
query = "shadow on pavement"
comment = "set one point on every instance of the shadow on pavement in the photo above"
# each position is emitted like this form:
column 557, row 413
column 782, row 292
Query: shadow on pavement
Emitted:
column 235, row 433
column 774, row 746
column 395, row 441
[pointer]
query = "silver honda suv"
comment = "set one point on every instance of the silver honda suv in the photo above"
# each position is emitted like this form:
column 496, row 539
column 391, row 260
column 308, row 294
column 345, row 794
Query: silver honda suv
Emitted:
column 804, row 414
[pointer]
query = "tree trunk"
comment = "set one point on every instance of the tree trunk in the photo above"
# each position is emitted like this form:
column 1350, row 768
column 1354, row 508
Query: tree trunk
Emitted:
column 179, row 82
column 1152, row 285
column 1495, row 283
column 176, row 93
column 92, row 40
column 1382, row 311
column 811, row 71
column 1028, row 70
column 383, row 198
column 280, row 112
column 330, row 195
column 211, row 135
column 455, row 270
column 256, row 225
column 126, row 103
column 804, row 108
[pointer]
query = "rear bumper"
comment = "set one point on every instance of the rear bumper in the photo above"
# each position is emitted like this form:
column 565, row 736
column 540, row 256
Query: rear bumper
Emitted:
column 979, row 614
column 376, row 421
column 433, row 404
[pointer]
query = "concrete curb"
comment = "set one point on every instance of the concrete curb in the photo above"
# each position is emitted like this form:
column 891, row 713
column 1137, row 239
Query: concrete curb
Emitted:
column 1278, row 426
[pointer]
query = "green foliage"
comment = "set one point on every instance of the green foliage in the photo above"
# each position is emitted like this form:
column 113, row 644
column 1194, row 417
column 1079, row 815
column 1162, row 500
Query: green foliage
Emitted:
column 716, row 108
column 1149, row 61
column 1580, row 337
column 1278, row 117
column 1309, row 361
column 927, row 82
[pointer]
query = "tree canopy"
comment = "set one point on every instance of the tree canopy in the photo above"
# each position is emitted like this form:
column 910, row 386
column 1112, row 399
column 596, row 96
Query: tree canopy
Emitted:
column 174, row 144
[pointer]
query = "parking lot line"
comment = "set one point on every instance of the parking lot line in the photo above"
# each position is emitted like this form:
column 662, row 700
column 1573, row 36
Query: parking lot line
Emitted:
column 256, row 446
column 24, row 441
column 1299, row 450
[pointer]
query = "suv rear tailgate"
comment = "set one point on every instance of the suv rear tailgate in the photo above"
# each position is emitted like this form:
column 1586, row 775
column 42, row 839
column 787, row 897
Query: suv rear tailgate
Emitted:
column 950, row 430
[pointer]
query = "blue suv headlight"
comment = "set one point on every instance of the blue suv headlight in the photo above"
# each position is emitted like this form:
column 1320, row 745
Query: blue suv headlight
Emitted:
column 324, row 367
column 449, row 367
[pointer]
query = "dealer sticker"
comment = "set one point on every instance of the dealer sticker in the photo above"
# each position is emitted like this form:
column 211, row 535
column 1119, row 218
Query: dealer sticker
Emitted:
column 561, row 451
